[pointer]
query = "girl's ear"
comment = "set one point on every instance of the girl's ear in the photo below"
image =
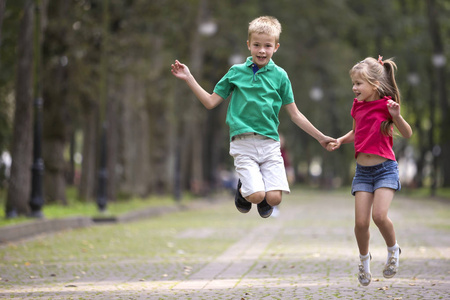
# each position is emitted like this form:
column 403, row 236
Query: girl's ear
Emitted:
column 376, row 85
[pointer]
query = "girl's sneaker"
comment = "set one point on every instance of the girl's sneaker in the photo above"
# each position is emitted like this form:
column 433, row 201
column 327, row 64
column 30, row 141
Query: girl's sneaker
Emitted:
column 364, row 277
column 391, row 267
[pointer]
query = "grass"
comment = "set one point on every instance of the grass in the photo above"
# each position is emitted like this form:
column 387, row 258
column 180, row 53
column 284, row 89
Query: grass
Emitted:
column 75, row 207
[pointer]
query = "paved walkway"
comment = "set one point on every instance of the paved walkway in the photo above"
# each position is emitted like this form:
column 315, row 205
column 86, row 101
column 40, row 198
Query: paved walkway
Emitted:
column 308, row 252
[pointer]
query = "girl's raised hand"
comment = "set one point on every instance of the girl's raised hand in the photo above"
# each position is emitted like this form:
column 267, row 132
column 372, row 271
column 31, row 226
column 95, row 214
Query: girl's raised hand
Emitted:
column 394, row 108
column 180, row 70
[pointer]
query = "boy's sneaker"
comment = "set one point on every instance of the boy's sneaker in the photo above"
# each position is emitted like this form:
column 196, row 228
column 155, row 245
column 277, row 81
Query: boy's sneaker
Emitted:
column 242, row 205
column 264, row 209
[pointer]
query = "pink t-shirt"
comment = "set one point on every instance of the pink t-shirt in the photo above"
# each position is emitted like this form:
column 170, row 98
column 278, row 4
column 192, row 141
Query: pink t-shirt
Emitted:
column 368, row 136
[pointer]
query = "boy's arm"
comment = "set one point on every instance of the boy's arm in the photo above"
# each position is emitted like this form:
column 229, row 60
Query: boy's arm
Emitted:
column 301, row 121
column 181, row 71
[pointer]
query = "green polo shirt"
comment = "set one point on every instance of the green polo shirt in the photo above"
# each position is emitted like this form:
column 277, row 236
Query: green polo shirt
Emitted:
column 256, row 99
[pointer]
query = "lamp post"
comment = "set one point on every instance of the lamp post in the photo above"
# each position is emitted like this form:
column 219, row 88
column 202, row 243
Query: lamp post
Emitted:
column 102, row 198
column 37, row 170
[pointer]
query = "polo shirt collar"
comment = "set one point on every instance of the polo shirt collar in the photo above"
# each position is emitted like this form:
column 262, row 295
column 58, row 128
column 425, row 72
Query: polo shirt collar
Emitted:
column 267, row 67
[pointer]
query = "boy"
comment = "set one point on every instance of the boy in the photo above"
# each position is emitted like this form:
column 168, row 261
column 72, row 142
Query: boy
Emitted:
column 259, row 88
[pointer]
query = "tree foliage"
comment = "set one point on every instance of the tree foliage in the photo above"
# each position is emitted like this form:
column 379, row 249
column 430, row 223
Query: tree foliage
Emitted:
column 156, row 127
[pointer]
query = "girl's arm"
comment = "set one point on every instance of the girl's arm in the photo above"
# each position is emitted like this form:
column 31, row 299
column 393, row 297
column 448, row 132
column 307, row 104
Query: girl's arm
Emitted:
column 181, row 71
column 301, row 121
column 402, row 126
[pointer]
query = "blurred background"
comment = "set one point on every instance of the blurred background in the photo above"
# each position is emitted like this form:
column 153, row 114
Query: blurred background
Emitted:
column 87, row 99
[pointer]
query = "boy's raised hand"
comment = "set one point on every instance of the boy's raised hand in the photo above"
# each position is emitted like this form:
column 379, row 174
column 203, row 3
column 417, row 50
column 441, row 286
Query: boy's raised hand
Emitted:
column 180, row 70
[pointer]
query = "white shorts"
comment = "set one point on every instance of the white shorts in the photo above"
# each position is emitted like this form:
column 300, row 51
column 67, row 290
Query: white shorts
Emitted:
column 259, row 164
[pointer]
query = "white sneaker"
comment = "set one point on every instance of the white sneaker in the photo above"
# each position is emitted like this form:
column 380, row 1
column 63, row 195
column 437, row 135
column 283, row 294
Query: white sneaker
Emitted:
column 391, row 267
column 364, row 277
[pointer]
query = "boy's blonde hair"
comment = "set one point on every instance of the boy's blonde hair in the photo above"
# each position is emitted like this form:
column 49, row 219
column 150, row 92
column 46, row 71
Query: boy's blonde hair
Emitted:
column 380, row 71
column 265, row 24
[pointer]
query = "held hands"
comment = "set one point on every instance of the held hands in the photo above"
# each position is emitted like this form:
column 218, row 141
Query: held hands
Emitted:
column 331, row 146
column 180, row 70
column 327, row 141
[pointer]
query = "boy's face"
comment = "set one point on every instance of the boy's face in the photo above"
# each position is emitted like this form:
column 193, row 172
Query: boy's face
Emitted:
column 262, row 47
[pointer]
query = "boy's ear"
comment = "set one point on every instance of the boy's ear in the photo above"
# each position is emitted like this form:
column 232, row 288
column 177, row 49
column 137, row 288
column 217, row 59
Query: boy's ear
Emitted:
column 248, row 44
column 276, row 47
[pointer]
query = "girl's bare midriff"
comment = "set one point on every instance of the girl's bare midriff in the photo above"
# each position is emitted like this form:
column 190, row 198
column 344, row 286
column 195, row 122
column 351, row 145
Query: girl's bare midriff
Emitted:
column 366, row 159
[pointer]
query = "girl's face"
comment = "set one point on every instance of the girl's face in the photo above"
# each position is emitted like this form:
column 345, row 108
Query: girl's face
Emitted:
column 262, row 47
column 363, row 90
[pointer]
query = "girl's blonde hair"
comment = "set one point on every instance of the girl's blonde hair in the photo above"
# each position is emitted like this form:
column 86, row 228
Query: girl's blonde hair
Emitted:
column 379, row 74
column 265, row 24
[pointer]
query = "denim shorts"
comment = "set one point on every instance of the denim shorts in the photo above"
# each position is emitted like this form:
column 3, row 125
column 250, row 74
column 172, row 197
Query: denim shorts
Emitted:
column 370, row 178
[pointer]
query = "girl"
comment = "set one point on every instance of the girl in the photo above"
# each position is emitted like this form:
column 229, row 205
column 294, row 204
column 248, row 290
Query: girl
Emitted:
column 375, row 110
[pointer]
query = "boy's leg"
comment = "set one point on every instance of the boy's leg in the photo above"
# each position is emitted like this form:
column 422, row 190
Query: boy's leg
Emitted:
column 273, row 197
column 242, row 205
column 250, row 187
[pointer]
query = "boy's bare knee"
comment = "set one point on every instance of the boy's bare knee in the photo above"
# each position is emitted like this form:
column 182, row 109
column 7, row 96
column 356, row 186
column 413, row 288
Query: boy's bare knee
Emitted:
column 273, row 198
column 256, row 197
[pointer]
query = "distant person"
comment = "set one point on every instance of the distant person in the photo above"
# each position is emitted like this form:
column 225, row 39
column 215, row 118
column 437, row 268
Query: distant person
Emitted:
column 375, row 110
column 259, row 88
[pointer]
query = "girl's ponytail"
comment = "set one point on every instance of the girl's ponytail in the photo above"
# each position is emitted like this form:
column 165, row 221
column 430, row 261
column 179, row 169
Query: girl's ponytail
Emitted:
column 390, row 88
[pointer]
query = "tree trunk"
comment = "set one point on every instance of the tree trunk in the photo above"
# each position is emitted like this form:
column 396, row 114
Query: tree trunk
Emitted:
column 21, row 150
column 88, row 175
column 2, row 14
column 56, row 115
column 439, row 64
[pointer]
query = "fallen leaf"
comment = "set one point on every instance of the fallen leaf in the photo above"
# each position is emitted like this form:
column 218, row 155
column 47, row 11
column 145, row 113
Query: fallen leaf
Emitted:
column 384, row 288
column 376, row 280
column 32, row 277
column 412, row 284
column 399, row 298
column 52, row 275
column 142, row 279
column 27, row 264
column 71, row 285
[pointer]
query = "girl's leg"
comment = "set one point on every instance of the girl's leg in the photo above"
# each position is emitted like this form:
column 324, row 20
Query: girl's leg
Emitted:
column 363, row 207
column 382, row 200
